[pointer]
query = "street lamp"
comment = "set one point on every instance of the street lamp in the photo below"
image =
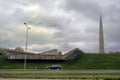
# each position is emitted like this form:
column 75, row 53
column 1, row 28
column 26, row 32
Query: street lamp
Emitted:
column 26, row 45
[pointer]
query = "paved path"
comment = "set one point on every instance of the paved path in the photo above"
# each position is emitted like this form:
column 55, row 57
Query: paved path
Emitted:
column 59, row 71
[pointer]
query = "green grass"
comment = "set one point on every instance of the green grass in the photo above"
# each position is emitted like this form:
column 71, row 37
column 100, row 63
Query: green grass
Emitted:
column 86, row 61
column 60, row 76
column 96, row 61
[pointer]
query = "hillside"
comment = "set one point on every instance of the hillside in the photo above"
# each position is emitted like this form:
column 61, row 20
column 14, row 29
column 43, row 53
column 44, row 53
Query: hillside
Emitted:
column 86, row 61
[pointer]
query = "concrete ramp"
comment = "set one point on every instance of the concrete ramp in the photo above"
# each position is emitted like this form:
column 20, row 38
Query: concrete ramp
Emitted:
column 73, row 54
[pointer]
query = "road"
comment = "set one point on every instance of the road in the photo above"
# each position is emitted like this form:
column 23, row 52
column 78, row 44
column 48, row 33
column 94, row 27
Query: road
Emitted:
column 45, row 79
column 59, row 71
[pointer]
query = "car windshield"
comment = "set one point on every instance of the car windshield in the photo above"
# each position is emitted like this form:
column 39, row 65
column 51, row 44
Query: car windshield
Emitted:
column 56, row 65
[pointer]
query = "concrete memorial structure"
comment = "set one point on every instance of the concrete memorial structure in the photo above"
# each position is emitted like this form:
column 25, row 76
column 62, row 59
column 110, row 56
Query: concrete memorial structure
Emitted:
column 47, row 55
column 101, row 36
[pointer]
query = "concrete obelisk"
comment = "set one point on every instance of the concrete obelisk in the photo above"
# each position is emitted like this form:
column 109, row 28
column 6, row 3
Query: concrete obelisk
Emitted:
column 101, row 36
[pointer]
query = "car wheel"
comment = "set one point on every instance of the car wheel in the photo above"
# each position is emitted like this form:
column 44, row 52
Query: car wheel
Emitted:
column 58, row 68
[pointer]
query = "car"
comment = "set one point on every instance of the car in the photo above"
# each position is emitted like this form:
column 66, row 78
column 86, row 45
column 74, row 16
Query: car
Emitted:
column 56, row 66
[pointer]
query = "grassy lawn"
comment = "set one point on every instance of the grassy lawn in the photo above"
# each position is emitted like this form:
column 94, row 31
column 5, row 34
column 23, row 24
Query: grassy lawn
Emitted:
column 60, row 76
column 86, row 61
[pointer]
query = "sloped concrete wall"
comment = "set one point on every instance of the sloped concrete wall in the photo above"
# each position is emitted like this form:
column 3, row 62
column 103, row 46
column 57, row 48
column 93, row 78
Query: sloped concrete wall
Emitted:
column 73, row 54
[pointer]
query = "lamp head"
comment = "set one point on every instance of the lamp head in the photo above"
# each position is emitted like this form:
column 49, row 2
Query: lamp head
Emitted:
column 25, row 23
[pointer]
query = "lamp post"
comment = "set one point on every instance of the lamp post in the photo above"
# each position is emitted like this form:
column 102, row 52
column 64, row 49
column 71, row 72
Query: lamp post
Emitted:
column 26, row 45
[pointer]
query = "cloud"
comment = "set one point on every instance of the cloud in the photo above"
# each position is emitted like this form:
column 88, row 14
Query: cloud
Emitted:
column 42, row 48
column 87, row 8
column 63, row 24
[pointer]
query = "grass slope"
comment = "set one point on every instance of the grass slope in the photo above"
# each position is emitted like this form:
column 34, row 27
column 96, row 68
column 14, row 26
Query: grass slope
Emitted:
column 62, row 76
column 86, row 61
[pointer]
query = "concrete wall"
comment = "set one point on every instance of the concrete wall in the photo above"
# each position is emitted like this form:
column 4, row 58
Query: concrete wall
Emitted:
column 36, row 57
column 73, row 54
column 48, row 55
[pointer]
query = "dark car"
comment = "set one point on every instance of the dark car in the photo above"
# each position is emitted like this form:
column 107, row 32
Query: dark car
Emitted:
column 57, row 66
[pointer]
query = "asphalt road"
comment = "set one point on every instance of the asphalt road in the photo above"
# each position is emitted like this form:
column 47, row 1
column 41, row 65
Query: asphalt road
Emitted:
column 59, row 71
column 45, row 79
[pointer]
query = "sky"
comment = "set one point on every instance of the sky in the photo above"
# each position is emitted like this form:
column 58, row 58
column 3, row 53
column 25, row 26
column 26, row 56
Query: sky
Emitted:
column 60, row 24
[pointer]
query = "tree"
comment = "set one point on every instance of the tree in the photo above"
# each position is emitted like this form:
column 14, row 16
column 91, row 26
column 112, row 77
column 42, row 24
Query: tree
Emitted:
column 19, row 49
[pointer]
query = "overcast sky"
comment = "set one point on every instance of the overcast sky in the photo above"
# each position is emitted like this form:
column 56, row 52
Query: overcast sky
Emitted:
column 61, row 24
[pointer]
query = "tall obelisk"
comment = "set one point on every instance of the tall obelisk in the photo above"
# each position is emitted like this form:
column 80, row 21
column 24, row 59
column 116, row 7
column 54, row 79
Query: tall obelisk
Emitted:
column 101, row 36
